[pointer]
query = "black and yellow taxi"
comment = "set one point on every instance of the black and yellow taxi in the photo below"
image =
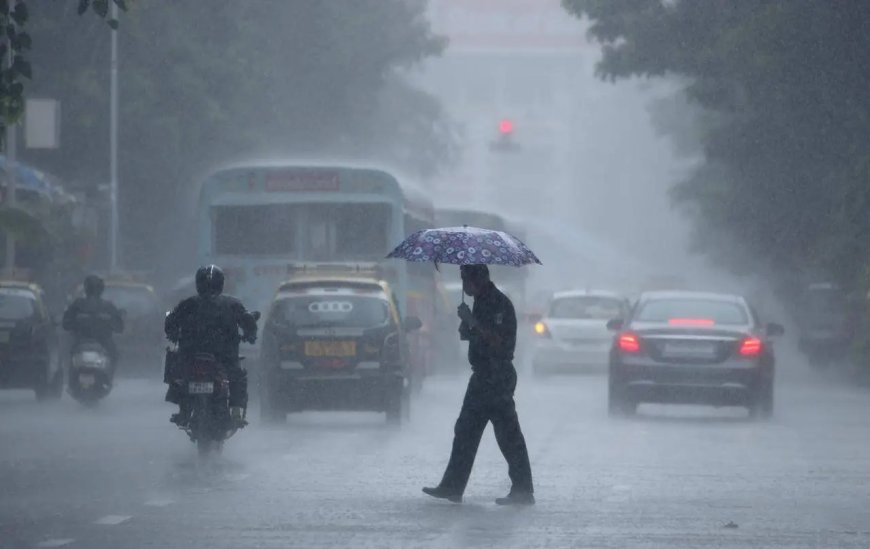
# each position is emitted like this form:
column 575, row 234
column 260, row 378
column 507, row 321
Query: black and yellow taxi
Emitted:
column 335, row 343
column 29, row 356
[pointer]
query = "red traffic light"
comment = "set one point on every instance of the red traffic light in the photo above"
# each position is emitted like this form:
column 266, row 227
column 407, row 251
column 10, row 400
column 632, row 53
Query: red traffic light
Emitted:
column 506, row 126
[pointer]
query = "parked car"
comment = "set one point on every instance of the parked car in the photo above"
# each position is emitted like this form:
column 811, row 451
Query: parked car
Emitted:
column 692, row 348
column 29, row 356
column 335, row 344
column 572, row 335
column 826, row 324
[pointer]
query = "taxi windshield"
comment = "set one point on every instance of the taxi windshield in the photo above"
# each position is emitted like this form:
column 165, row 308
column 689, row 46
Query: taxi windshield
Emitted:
column 15, row 306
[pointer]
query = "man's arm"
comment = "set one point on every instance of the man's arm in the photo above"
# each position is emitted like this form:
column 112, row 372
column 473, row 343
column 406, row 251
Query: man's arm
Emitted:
column 172, row 324
column 246, row 322
column 500, row 330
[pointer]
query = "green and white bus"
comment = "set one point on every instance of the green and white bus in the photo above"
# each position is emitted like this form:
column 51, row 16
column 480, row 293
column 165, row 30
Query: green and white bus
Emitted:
column 265, row 223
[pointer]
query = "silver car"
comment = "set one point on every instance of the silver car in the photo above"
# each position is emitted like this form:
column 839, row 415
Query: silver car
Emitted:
column 572, row 336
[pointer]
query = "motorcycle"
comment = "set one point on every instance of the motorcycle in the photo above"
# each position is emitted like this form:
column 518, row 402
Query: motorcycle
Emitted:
column 204, row 384
column 90, row 372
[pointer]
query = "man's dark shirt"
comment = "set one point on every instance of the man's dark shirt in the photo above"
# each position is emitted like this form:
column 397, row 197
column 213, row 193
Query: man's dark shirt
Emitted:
column 210, row 325
column 93, row 318
column 495, row 313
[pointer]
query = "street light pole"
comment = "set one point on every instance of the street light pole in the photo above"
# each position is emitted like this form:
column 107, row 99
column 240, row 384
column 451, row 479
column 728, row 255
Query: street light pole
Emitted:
column 113, row 149
column 11, row 165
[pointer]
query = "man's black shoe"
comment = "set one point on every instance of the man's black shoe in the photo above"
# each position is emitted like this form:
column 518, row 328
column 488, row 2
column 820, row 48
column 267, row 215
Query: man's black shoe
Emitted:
column 441, row 492
column 517, row 498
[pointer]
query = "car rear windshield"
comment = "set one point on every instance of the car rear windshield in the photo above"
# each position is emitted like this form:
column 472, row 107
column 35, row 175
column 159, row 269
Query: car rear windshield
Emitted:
column 586, row 307
column 15, row 306
column 689, row 310
column 332, row 311
column 826, row 302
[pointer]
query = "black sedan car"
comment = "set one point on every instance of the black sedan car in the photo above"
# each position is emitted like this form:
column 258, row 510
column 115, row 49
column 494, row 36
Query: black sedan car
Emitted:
column 692, row 348
column 28, row 343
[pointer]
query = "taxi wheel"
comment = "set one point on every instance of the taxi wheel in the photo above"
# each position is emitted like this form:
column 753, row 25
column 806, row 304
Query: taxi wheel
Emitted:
column 398, row 406
column 271, row 415
column 51, row 389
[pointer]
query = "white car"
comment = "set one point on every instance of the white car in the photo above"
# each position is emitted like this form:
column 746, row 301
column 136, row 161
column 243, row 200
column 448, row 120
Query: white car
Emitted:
column 572, row 335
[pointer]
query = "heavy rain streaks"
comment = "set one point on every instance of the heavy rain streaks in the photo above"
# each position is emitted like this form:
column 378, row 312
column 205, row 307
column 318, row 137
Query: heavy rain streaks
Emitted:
column 691, row 356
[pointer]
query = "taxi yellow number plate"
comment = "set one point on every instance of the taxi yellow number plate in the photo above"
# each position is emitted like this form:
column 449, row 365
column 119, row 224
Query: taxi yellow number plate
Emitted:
column 330, row 348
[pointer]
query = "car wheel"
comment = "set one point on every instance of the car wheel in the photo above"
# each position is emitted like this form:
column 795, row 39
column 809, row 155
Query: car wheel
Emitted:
column 762, row 402
column 398, row 405
column 56, row 385
column 270, row 413
column 50, row 388
column 618, row 403
column 406, row 405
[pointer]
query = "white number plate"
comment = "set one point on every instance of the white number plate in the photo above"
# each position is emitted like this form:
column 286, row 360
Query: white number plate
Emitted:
column 690, row 350
column 200, row 387
column 86, row 380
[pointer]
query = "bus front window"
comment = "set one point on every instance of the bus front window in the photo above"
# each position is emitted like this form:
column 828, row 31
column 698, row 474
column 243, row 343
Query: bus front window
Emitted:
column 326, row 232
column 347, row 232
column 254, row 230
column 362, row 230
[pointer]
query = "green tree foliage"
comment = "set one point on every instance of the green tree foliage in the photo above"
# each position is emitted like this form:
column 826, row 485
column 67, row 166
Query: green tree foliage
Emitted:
column 16, row 42
column 785, row 181
column 208, row 83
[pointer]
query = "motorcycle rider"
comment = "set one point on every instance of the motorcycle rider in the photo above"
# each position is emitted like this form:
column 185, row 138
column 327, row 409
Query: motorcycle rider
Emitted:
column 93, row 318
column 209, row 323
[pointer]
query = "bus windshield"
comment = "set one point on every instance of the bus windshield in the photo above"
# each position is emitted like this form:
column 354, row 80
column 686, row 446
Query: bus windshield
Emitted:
column 307, row 231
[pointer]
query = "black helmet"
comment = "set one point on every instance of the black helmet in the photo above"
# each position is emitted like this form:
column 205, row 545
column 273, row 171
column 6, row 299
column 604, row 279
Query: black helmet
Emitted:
column 209, row 280
column 94, row 286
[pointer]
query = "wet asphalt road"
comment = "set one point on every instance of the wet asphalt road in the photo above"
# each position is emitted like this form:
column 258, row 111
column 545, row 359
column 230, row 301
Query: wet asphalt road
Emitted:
column 120, row 475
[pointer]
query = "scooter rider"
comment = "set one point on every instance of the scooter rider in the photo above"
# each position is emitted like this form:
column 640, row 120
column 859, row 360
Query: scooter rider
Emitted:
column 93, row 318
column 209, row 323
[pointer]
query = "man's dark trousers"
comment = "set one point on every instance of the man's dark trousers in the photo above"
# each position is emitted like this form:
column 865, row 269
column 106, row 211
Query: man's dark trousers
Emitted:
column 489, row 397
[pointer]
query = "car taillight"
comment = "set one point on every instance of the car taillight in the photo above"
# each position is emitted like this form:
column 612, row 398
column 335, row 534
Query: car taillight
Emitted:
column 541, row 329
column 751, row 346
column 628, row 342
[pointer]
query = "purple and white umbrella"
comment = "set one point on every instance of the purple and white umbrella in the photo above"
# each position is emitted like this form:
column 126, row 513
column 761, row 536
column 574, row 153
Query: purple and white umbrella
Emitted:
column 465, row 246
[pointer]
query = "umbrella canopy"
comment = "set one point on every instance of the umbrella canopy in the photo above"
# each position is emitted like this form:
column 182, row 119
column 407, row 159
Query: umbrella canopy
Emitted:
column 465, row 246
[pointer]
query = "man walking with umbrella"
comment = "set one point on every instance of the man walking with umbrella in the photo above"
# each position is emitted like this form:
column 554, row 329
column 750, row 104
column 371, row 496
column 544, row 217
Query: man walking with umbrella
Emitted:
column 491, row 330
